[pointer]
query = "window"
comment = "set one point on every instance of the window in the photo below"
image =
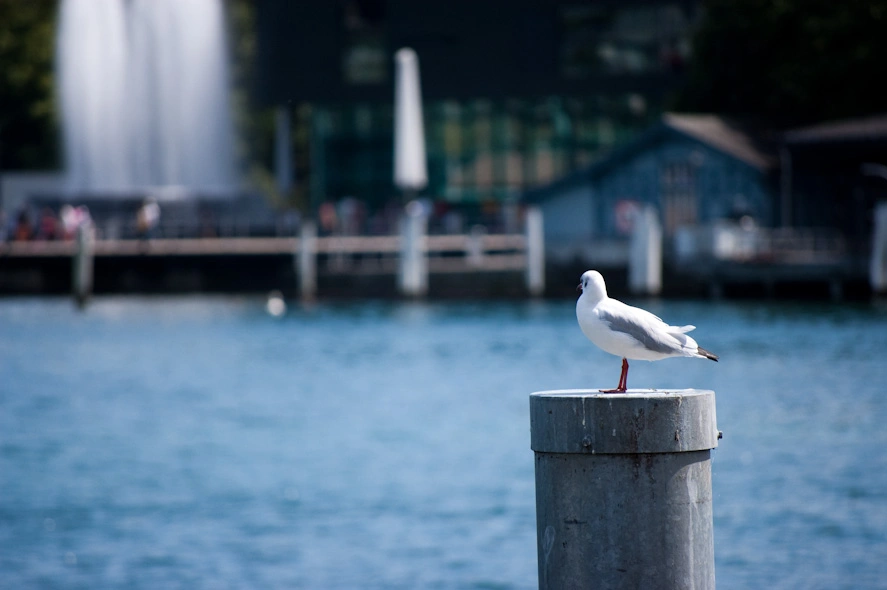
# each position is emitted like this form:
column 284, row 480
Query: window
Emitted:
column 678, row 185
column 365, row 57
column 639, row 39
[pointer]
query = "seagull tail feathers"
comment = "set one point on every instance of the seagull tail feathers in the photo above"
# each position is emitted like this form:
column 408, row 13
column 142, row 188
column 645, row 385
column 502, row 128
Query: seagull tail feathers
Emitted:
column 706, row 354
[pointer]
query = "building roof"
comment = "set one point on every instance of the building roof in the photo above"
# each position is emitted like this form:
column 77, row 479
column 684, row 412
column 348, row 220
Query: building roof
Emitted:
column 730, row 137
column 872, row 128
column 737, row 140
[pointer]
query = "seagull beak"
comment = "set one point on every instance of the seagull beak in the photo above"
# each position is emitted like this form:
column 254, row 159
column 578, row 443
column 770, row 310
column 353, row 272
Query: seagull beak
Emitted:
column 579, row 287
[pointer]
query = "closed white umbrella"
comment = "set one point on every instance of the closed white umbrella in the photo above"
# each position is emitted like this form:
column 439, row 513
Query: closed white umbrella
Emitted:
column 410, row 168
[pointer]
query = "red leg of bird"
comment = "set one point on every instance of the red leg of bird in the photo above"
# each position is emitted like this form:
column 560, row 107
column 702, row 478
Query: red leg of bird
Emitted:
column 623, row 380
column 624, row 385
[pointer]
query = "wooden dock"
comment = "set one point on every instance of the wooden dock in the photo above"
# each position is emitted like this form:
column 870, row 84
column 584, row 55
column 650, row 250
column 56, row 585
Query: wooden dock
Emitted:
column 505, row 252
column 195, row 263
column 434, row 244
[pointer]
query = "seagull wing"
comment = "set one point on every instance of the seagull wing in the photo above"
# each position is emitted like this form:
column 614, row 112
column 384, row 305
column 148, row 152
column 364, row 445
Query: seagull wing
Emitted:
column 648, row 330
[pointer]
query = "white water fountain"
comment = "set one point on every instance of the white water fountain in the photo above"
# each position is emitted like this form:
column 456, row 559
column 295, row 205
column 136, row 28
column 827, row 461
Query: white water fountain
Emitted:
column 143, row 88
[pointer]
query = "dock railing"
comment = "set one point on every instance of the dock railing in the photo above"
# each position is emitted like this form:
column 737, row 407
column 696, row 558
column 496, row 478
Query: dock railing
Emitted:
column 473, row 252
column 732, row 242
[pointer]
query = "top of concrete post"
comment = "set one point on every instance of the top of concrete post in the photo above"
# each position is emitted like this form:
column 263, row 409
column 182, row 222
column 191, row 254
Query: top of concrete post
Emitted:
column 639, row 421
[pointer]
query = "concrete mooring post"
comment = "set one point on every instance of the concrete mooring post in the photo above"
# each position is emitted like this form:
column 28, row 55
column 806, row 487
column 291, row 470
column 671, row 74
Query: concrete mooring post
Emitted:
column 306, row 261
column 623, row 488
column 412, row 277
column 645, row 254
column 82, row 264
column 474, row 248
column 535, row 233
column 878, row 260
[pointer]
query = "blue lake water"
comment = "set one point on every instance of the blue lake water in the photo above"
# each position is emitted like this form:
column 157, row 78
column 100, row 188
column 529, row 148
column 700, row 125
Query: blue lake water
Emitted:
column 198, row 442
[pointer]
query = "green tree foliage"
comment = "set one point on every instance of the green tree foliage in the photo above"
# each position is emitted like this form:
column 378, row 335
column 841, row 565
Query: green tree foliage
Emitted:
column 28, row 137
column 255, row 125
column 794, row 61
column 29, row 134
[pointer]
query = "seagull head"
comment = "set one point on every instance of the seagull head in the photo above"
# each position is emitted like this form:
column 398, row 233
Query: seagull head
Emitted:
column 592, row 286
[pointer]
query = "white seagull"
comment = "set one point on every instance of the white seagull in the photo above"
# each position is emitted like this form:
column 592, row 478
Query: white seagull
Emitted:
column 629, row 332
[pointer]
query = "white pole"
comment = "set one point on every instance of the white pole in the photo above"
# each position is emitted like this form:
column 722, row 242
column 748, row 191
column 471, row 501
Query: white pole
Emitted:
column 535, row 252
column 413, row 271
column 645, row 255
column 474, row 250
column 83, row 263
column 308, row 261
column 878, row 262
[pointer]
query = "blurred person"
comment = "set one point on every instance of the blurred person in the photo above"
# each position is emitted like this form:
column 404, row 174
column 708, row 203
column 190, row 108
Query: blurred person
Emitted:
column 289, row 223
column 391, row 214
column 208, row 224
column 68, row 219
column 328, row 218
column 81, row 217
column 147, row 219
column 452, row 222
column 490, row 214
column 353, row 216
column 24, row 230
column 377, row 224
column 48, row 228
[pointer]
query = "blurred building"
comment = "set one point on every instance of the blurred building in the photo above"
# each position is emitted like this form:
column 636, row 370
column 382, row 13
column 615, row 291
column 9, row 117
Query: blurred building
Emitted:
column 516, row 92
column 692, row 169
column 729, row 192
column 834, row 174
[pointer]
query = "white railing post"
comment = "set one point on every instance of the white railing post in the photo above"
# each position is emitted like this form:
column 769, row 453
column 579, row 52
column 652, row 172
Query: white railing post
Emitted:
column 474, row 246
column 307, row 260
column 645, row 254
column 878, row 261
column 83, row 264
column 413, row 263
column 535, row 252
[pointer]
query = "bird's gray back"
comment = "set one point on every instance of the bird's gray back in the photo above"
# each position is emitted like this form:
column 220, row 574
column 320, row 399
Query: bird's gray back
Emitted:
column 631, row 327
